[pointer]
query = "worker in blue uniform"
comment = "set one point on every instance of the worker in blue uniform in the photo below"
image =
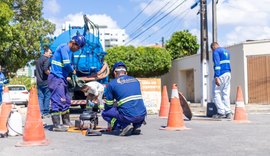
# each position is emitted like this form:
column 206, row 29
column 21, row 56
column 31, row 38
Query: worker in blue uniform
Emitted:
column 3, row 81
column 221, row 83
column 124, row 106
column 61, row 67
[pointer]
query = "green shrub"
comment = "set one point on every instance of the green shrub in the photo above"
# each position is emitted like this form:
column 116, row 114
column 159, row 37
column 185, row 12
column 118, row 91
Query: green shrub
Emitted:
column 21, row 80
column 141, row 61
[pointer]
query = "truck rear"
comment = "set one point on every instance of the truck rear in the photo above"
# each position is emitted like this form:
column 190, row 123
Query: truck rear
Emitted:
column 88, row 62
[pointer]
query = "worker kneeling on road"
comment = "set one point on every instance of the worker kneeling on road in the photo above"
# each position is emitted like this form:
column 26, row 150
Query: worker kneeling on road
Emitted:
column 124, row 104
column 94, row 92
column 61, row 67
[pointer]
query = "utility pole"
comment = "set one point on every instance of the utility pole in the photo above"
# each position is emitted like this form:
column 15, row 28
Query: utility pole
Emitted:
column 214, row 20
column 204, row 52
column 162, row 42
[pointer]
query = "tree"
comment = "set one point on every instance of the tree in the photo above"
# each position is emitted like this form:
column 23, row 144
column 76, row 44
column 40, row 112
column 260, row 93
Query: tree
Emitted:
column 141, row 61
column 23, row 28
column 182, row 43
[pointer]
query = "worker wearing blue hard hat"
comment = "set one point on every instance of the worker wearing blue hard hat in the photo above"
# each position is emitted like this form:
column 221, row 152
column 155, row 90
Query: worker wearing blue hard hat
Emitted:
column 124, row 107
column 61, row 67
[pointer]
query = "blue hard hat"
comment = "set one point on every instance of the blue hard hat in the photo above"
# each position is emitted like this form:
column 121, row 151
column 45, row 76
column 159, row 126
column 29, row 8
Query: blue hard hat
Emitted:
column 118, row 64
column 79, row 39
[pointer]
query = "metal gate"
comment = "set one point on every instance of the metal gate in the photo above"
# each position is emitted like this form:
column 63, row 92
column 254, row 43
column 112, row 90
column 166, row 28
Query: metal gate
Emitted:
column 259, row 79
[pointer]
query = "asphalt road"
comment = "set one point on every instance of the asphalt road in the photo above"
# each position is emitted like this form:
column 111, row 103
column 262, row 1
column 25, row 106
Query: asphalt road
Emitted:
column 205, row 137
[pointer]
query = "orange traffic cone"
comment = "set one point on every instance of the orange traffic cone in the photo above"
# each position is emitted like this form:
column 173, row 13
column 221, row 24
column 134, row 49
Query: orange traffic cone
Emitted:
column 240, row 115
column 5, row 111
column 165, row 104
column 34, row 134
column 175, row 119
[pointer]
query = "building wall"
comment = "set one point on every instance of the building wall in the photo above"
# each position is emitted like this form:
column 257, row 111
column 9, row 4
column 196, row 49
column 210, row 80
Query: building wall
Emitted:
column 237, row 70
column 111, row 37
column 254, row 48
column 177, row 75
column 23, row 71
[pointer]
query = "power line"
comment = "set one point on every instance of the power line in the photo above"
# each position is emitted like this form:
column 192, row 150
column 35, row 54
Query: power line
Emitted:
column 146, row 21
column 156, row 22
column 162, row 10
column 155, row 16
column 137, row 24
column 173, row 28
column 138, row 14
column 166, row 24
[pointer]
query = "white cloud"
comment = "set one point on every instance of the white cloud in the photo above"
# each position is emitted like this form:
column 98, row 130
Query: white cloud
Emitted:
column 77, row 20
column 241, row 20
column 51, row 6
column 243, row 12
column 242, row 33
column 238, row 20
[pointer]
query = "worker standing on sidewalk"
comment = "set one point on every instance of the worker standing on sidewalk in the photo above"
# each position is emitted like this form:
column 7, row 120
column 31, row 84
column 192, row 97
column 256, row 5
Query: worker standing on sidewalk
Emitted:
column 124, row 104
column 222, row 78
column 61, row 67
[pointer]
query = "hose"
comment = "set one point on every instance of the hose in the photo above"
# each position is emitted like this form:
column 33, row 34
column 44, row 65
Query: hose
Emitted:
column 20, row 134
column 101, row 74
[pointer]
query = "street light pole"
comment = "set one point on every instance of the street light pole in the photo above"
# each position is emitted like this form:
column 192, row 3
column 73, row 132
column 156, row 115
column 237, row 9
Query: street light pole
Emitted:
column 214, row 20
column 204, row 53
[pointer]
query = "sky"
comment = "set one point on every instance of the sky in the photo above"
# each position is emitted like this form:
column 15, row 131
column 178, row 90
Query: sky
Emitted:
column 237, row 20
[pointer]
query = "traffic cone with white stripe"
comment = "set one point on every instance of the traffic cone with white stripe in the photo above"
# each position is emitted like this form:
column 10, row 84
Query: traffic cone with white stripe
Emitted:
column 34, row 134
column 240, row 115
column 165, row 104
column 5, row 111
column 175, row 119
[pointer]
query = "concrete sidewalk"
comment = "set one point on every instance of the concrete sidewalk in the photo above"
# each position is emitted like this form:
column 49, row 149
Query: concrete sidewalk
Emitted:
column 197, row 109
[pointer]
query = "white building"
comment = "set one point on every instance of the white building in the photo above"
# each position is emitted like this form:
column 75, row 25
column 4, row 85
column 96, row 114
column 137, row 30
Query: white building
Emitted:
column 111, row 37
column 250, row 64
column 27, row 70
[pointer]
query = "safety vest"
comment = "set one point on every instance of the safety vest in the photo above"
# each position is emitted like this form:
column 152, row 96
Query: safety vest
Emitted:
column 126, row 92
column 221, row 60
column 61, row 65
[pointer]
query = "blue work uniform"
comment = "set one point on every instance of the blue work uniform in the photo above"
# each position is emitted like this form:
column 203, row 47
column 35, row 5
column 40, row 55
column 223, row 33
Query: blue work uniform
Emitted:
column 61, row 67
column 222, row 69
column 124, row 103
column 2, row 82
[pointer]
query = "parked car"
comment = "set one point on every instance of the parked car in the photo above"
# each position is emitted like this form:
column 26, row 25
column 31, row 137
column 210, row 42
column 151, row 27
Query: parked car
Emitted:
column 19, row 95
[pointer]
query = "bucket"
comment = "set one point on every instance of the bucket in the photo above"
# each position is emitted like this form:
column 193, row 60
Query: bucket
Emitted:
column 15, row 123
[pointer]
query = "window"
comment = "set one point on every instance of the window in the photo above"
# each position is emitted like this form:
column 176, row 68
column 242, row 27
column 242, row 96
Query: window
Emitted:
column 114, row 39
column 16, row 88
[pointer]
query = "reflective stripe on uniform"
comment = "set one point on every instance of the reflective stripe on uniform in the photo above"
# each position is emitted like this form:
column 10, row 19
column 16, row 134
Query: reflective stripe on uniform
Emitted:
column 57, row 63
column 109, row 102
column 217, row 68
column 66, row 61
column 79, row 56
column 113, row 121
column 129, row 98
column 65, row 112
column 56, row 113
column 224, row 61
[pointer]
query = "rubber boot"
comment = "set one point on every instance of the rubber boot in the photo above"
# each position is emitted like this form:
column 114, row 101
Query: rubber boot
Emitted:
column 66, row 120
column 56, row 124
